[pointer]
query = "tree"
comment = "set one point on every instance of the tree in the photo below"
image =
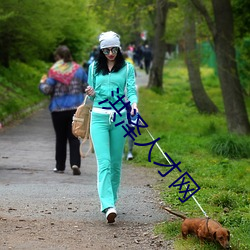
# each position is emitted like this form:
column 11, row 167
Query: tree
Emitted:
column 28, row 33
column 201, row 99
column 127, row 17
column 241, row 17
column 242, row 33
column 223, row 38
column 159, row 46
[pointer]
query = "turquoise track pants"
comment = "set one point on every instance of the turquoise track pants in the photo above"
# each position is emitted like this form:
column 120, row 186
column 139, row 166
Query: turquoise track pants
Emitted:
column 108, row 144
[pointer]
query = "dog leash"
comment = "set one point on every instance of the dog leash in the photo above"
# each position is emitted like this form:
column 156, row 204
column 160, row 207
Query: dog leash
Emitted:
column 198, row 204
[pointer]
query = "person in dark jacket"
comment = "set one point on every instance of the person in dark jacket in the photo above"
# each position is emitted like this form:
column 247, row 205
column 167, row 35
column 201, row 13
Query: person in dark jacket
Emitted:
column 147, row 54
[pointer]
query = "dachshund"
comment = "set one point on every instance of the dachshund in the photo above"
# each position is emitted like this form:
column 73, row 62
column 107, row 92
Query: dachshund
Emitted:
column 204, row 229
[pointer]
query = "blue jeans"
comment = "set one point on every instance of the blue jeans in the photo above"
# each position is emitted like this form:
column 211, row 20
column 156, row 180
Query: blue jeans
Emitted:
column 108, row 144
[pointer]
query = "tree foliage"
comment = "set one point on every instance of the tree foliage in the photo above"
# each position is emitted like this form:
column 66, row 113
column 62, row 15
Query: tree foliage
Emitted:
column 126, row 17
column 242, row 34
column 27, row 32
column 241, row 18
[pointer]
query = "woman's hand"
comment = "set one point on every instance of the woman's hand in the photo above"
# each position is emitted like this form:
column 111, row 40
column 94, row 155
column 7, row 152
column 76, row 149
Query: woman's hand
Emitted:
column 90, row 91
column 43, row 79
column 134, row 109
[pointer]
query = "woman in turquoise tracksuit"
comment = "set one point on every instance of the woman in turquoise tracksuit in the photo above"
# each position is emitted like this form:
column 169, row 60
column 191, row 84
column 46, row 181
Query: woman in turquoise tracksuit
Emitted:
column 108, row 77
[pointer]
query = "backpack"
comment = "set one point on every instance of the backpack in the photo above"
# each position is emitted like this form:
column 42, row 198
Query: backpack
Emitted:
column 81, row 126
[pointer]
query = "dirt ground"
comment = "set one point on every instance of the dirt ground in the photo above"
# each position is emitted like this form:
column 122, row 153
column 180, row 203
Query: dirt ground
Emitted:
column 40, row 209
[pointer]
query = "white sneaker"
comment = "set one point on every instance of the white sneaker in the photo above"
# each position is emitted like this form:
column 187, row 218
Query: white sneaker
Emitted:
column 130, row 156
column 58, row 171
column 76, row 170
column 111, row 214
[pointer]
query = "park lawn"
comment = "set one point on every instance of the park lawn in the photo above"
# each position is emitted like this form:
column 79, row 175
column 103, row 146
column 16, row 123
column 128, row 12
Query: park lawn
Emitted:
column 194, row 139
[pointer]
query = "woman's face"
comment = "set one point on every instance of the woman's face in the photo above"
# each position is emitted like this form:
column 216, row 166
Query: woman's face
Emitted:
column 110, row 53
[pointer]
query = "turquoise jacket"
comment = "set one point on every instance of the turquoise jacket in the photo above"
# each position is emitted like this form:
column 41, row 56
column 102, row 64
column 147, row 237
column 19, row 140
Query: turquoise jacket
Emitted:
column 109, row 87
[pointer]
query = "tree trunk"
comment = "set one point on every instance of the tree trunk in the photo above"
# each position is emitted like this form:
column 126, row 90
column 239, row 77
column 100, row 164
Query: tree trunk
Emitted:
column 4, row 50
column 201, row 99
column 159, row 47
column 235, row 109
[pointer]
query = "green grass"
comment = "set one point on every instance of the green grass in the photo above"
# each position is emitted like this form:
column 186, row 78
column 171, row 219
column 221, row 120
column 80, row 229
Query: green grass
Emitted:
column 19, row 87
column 218, row 161
column 231, row 146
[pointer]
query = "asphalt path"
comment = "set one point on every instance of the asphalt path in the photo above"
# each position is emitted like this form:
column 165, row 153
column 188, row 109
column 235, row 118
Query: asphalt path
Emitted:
column 26, row 164
column 31, row 190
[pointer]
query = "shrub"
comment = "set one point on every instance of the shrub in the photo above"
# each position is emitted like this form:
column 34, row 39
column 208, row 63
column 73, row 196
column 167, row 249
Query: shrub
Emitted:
column 224, row 200
column 231, row 146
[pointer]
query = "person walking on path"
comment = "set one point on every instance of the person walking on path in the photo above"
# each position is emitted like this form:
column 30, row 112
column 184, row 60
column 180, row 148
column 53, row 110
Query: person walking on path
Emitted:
column 130, row 155
column 147, row 54
column 65, row 84
column 109, row 74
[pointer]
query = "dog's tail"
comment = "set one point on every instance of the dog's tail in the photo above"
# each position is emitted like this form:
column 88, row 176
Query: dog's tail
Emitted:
column 175, row 213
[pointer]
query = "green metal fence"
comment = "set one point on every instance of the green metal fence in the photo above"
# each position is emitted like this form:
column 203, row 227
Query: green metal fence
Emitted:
column 208, row 58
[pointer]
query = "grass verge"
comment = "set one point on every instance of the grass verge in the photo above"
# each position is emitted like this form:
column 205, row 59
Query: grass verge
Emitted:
column 19, row 89
column 219, row 162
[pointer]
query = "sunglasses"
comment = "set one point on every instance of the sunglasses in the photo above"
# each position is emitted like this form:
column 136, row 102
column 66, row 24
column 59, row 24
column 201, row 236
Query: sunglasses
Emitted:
column 106, row 51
